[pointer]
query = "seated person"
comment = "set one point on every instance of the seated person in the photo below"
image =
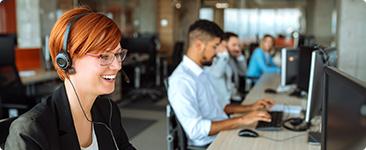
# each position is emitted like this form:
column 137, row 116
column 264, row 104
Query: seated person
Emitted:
column 77, row 115
column 261, row 60
column 226, row 67
column 193, row 98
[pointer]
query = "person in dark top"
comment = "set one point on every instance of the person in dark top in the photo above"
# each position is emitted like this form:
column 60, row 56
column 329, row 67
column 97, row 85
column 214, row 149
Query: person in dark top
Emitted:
column 85, row 50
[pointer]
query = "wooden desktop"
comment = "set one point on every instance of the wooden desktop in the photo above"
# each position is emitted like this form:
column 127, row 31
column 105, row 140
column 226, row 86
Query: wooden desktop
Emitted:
column 276, row 140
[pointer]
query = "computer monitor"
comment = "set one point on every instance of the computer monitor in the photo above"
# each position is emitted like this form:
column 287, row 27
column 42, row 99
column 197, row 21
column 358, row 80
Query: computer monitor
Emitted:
column 7, row 49
column 302, row 82
column 289, row 65
column 316, row 90
column 344, row 118
column 141, row 44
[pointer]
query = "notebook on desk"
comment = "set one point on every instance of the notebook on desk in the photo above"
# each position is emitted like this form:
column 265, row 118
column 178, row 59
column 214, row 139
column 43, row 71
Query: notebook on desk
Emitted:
column 274, row 125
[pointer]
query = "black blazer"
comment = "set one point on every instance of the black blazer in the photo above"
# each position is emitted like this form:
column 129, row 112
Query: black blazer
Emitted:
column 49, row 126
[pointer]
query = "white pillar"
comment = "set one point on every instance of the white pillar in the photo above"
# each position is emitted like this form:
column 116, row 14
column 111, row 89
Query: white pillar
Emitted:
column 351, row 37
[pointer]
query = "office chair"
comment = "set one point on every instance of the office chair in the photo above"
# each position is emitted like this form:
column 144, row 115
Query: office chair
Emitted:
column 177, row 56
column 145, row 45
column 252, row 47
column 4, row 130
column 14, row 100
column 176, row 137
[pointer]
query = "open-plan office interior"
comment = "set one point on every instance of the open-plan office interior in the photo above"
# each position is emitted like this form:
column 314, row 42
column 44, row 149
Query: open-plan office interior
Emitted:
column 183, row 74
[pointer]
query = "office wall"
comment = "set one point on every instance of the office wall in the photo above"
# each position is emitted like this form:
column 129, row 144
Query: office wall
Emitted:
column 47, row 16
column 28, row 23
column 184, row 17
column 165, row 30
column 145, row 16
column 7, row 15
column 319, row 20
column 351, row 37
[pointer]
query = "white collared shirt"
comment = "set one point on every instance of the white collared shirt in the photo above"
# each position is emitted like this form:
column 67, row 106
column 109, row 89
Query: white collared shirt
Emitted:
column 222, row 72
column 194, row 101
column 220, row 76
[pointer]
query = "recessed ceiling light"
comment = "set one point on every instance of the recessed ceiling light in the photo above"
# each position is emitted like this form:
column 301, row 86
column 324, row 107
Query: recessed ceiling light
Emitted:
column 178, row 5
column 221, row 5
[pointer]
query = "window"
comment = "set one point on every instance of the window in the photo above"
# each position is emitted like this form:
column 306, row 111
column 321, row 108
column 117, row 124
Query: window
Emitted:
column 248, row 23
column 206, row 13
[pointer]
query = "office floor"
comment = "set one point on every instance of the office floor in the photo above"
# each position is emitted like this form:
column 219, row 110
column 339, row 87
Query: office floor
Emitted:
column 145, row 123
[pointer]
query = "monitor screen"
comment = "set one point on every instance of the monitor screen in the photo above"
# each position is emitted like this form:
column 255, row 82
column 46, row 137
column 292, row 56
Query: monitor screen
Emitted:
column 344, row 120
column 289, row 65
column 140, row 44
column 304, row 68
column 7, row 49
column 316, row 90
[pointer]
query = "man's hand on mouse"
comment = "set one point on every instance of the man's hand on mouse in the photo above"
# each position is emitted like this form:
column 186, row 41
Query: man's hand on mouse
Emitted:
column 255, row 116
column 263, row 104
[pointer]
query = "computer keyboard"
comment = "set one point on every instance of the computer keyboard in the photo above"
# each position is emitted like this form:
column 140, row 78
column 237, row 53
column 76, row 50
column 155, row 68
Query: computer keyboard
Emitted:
column 274, row 125
column 314, row 137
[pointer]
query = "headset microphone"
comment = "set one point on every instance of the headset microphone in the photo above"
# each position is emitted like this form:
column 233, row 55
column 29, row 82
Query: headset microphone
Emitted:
column 125, row 77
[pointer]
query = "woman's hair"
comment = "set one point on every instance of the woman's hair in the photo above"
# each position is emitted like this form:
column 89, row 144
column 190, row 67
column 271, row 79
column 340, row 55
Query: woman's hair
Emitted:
column 91, row 32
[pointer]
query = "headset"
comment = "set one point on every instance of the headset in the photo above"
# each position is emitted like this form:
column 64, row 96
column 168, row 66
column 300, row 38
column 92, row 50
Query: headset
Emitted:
column 63, row 59
column 64, row 62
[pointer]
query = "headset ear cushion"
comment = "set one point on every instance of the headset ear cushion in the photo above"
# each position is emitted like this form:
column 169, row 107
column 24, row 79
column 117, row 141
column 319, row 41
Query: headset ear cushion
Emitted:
column 63, row 60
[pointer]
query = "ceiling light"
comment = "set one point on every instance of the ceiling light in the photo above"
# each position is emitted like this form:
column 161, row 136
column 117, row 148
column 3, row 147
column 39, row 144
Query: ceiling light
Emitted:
column 178, row 5
column 222, row 5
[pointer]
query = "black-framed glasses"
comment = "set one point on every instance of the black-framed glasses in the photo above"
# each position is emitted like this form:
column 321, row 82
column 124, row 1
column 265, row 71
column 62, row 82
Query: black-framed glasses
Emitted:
column 107, row 58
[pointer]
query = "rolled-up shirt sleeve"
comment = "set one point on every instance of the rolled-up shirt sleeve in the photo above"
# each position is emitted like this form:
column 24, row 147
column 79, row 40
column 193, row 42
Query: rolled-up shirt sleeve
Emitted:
column 183, row 98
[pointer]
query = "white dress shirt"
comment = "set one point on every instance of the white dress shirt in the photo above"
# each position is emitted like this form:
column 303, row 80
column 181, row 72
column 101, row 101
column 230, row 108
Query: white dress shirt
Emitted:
column 220, row 76
column 224, row 75
column 194, row 101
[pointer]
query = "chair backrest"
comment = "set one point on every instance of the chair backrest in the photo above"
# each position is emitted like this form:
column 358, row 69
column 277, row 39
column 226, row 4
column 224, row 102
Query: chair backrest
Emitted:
column 12, row 90
column 177, row 55
column 252, row 47
column 176, row 137
column 4, row 130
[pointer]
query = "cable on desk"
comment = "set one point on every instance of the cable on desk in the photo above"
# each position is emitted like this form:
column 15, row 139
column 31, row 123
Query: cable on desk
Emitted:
column 281, row 140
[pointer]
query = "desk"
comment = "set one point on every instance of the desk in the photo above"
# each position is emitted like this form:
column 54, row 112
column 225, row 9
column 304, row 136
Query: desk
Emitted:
column 230, row 139
column 38, row 77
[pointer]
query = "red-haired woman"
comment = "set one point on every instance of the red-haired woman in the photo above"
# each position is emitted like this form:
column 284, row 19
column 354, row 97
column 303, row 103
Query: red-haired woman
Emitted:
column 87, row 55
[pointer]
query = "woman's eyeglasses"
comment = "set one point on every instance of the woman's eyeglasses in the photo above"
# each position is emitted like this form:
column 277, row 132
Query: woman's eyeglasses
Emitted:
column 107, row 58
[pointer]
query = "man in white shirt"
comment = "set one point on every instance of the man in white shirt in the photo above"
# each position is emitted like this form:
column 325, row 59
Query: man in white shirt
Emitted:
column 227, row 67
column 193, row 98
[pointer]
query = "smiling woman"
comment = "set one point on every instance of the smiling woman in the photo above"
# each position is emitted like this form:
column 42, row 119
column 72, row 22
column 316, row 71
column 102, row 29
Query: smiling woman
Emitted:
column 84, row 46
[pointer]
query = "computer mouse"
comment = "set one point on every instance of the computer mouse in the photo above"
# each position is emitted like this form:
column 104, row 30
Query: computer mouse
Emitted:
column 248, row 133
column 270, row 91
column 296, row 121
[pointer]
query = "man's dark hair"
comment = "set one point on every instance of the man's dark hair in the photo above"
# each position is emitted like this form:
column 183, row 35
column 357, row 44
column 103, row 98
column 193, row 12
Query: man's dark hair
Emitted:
column 268, row 35
column 228, row 35
column 204, row 30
